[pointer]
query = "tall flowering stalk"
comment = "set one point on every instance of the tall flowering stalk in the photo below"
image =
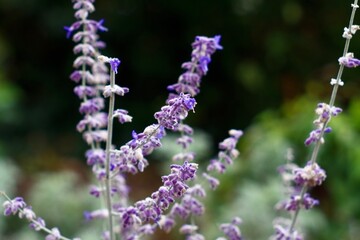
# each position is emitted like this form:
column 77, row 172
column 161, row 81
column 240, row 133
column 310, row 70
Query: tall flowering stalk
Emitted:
column 92, row 74
column 312, row 174
column 170, row 117
column 18, row 206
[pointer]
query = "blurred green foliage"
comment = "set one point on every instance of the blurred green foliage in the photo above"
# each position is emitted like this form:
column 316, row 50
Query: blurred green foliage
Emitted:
column 254, row 187
column 59, row 198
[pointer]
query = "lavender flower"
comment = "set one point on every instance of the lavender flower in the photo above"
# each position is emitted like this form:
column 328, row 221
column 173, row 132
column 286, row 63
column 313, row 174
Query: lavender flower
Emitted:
column 17, row 206
column 13, row 206
column 151, row 208
column 349, row 61
column 54, row 235
column 203, row 48
column 282, row 232
column 38, row 224
column 191, row 232
column 311, row 175
column 176, row 110
column 231, row 230
column 324, row 112
column 214, row 182
column 225, row 157
column 297, row 201
column 166, row 223
column 27, row 213
column 97, row 214
column 122, row 115
column 114, row 62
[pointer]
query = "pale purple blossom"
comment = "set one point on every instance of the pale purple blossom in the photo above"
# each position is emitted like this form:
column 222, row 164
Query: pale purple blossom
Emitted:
column 311, row 175
column 282, row 233
column 38, row 224
column 315, row 136
column 166, row 223
column 27, row 213
column 122, row 115
column 13, row 206
column 213, row 182
column 231, row 230
column 188, row 157
column 95, row 156
column 55, row 234
column 349, row 61
column 96, row 191
column 97, row 214
column 82, row 91
column 296, row 202
column 116, row 89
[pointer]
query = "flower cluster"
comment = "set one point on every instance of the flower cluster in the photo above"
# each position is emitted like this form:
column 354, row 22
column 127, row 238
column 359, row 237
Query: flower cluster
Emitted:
column 282, row 226
column 138, row 218
column 189, row 81
column 324, row 112
column 309, row 176
column 176, row 110
column 349, row 61
column 231, row 230
column 190, row 204
column 225, row 157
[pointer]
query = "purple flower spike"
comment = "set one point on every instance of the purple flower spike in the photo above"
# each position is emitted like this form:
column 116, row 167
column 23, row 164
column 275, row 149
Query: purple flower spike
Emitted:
column 189, row 81
column 176, row 110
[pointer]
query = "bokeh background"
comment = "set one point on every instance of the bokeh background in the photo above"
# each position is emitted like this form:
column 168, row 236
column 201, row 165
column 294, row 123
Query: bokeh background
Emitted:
column 276, row 65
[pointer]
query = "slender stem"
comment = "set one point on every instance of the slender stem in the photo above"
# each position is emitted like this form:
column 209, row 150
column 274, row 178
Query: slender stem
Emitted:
column 33, row 220
column 316, row 149
column 296, row 214
column 107, row 162
column 346, row 49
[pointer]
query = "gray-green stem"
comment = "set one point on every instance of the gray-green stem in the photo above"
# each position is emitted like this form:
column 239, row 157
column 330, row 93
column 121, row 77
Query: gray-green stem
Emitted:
column 107, row 162
column 34, row 221
column 316, row 149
